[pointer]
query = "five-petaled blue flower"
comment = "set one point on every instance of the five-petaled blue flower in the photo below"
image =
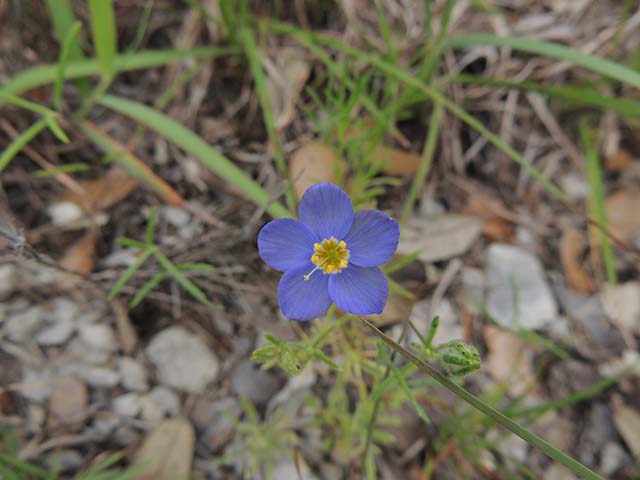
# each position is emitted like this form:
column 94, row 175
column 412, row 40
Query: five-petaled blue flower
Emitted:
column 330, row 256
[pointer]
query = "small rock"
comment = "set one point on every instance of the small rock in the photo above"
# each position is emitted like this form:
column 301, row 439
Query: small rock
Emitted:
column 36, row 385
column 217, row 420
column 125, row 437
column 518, row 294
column 627, row 422
column 80, row 350
column 8, row 279
column 133, row 375
column 509, row 360
column 613, row 458
column 167, row 401
column 64, row 461
column 622, row 304
column 36, row 416
column 68, row 402
column 473, row 285
column 558, row 472
column 287, row 467
column 598, row 430
column 101, row 377
column 20, row 326
column 98, row 336
column 249, row 381
column 55, row 333
column 183, row 361
column 64, row 214
column 439, row 237
column 176, row 216
column 630, row 359
column 103, row 426
column 127, row 405
column 167, row 452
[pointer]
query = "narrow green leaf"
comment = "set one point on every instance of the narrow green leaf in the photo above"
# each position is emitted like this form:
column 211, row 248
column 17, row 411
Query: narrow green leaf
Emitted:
column 192, row 143
column 103, row 25
column 20, row 141
column 425, row 163
column 129, row 242
column 65, row 56
column 26, row 104
column 56, row 129
column 146, row 288
column 133, row 268
column 574, row 94
column 260, row 80
column 597, row 198
column 600, row 65
column 180, row 277
column 63, row 20
column 42, row 75
column 405, row 387
column 68, row 168
column 529, row 437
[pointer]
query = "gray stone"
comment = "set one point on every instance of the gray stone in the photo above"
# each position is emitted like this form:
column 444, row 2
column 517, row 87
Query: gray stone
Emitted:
column 217, row 420
column 98, row 336
column 183, row 361
column 55, row 333
column 98, row 376
column 127, row 405
column 249, row 381
column 161, row 402
column 8, row 279
column 20, row 326
column 613, row 458
column 518, row 295
column 133, row 375
column 36, row 385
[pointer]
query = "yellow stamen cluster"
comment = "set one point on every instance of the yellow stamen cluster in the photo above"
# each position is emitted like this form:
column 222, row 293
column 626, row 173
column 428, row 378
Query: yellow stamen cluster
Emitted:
column 330, row 256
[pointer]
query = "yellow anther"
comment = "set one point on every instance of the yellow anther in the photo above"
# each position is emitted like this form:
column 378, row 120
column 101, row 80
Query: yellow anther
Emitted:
column 330, row 256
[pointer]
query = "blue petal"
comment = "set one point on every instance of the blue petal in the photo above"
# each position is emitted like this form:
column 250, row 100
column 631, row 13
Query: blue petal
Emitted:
column 326, row 209
column 286, row 243
column 301, row 299
column 372, row 239
column 361, row 291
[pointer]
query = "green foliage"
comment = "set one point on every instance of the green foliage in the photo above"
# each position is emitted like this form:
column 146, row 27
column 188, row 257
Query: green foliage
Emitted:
column 148, row 249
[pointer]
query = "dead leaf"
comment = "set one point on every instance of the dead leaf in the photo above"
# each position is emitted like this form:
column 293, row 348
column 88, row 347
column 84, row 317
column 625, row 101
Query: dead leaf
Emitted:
column 104, row 192
column 80, row 256
column 572, row 247
column 167, row 452
column 287, row 74
column 398, row 308
column 313, row 163
column 126, row 332
column 623, row 219
column 618, row 161
column 68, row 402
column 627, row 422
column 439, row 237
column 509, row 360
column 498, row 222
column 396, row 162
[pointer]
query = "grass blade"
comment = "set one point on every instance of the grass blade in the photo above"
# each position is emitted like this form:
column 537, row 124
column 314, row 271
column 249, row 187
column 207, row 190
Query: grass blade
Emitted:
column 181, row 278
column 596, row 64
column 42, row 75
column 20, row 141
column 146, row 289
column 597, row 200
column 425, row 163
column 260, row 79
column 576, row 95
column 103, row 26
column 65, row 56
column 192, row 143
column 529, row 437
column 136, row 167
column 133, row 268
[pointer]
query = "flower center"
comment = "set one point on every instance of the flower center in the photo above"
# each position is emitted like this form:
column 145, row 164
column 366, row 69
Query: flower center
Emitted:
column 330, row 256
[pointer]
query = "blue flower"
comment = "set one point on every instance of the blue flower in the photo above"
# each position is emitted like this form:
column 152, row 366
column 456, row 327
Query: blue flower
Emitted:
column 330, row 255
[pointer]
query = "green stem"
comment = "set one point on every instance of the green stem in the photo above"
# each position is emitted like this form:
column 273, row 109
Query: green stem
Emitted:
column 531, row 438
